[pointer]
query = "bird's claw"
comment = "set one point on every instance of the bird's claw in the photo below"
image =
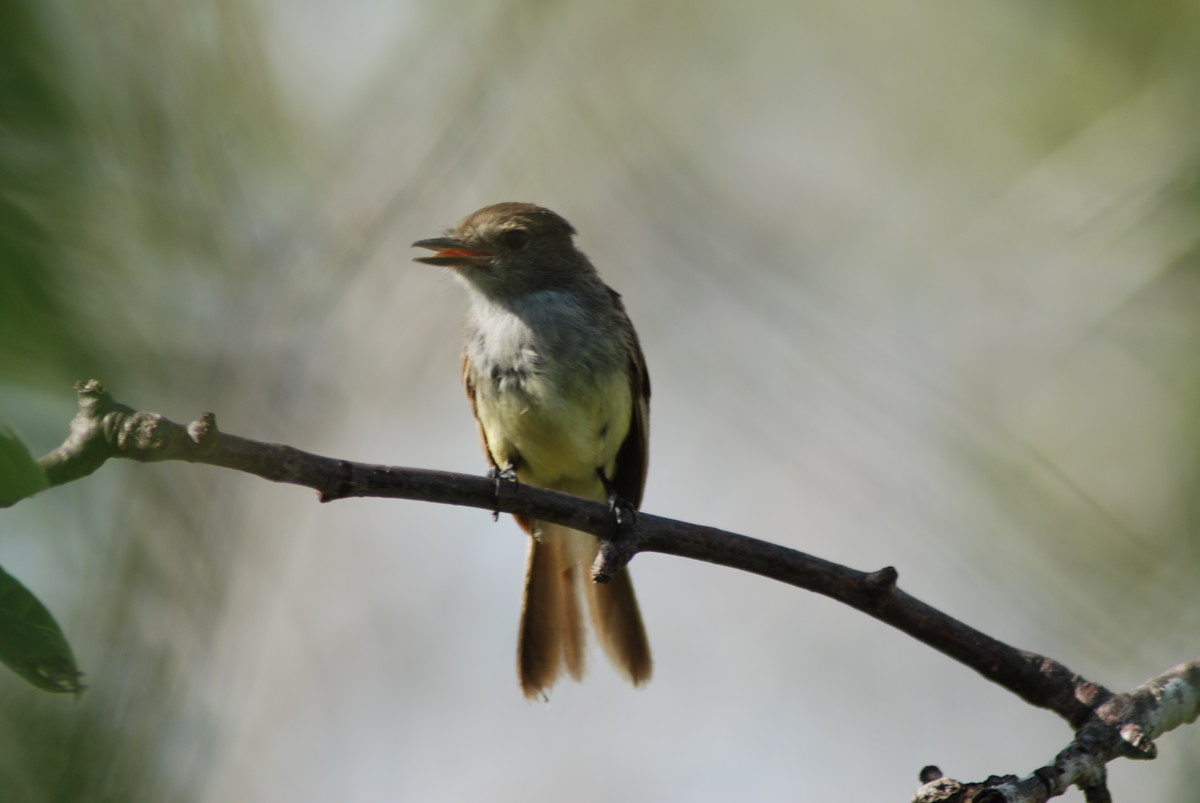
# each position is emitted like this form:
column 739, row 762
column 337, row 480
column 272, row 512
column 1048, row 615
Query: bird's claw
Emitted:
column 498, row 476
column 624, row 515
column 618, row 548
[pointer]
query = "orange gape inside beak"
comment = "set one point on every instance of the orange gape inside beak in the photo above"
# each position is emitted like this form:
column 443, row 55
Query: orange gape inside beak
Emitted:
column 459, row 252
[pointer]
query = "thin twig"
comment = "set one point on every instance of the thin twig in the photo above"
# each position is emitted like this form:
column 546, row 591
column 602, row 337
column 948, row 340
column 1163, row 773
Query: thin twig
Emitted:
column 1107, row 725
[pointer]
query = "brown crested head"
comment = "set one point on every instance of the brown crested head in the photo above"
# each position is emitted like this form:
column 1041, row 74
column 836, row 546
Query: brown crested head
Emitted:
column 509, row 246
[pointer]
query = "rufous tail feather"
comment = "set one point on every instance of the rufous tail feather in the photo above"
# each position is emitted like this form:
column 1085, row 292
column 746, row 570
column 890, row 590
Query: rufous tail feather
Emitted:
column 551, row 632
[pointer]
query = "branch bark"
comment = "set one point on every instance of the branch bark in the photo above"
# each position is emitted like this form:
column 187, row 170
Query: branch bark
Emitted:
column 1106, row 725
column 1123, row 727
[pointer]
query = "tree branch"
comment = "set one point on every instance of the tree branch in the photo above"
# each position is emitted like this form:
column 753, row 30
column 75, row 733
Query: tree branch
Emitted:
column 1125, row 726
column 1107, row 725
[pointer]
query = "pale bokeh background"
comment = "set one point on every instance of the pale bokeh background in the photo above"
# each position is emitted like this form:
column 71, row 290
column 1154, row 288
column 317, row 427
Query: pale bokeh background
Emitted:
column 918, row 285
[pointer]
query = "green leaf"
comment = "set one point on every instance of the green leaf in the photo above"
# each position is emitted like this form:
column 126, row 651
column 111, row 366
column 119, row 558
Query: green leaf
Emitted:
column 31, row 643
column 20, row 475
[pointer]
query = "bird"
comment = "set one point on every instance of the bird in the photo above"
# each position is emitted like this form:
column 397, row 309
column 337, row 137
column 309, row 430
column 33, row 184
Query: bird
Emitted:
column 558, row 385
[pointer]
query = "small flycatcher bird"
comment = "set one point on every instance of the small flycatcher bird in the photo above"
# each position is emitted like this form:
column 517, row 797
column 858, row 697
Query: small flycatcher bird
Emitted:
column 558, row 385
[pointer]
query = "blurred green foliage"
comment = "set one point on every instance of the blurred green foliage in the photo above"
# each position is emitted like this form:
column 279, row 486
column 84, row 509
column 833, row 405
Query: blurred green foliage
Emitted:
column 31, row 642
column 129, row 133
column 20, row 475
column 40, row 176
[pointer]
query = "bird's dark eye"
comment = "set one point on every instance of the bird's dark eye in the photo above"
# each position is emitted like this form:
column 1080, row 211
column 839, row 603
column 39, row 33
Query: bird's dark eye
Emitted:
column 516, row 239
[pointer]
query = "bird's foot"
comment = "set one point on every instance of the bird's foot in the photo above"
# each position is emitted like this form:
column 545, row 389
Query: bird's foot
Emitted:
column 498, row 476
column 624, row 514
column 618, row 547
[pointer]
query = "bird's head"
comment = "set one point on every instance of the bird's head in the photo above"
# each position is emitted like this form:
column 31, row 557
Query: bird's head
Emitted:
column 510, row 248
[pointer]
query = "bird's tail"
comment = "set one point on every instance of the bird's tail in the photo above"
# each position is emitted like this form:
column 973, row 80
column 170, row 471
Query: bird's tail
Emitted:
column 551, row 632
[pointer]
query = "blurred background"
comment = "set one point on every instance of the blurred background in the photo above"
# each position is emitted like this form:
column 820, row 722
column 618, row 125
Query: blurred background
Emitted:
column 917, row 284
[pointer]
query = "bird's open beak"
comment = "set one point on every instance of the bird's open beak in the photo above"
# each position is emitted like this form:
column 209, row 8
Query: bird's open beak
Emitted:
column 451, row 253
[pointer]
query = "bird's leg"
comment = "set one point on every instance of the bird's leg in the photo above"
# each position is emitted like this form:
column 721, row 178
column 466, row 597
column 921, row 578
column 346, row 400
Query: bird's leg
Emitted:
column 498, row 476
column 619, row 547
column 624, row 516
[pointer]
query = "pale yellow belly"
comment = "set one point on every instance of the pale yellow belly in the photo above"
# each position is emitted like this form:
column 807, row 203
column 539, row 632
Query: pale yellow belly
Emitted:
column 559, row 438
